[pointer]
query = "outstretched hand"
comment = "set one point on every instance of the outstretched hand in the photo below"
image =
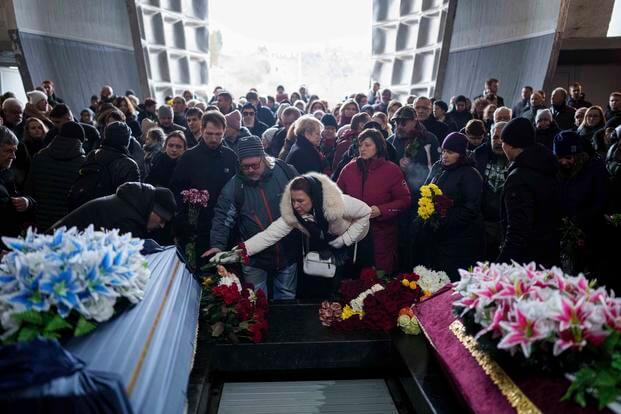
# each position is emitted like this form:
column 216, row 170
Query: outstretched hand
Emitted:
column 211, row 251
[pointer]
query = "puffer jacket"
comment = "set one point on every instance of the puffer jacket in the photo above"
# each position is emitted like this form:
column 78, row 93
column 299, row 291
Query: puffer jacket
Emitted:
column 252, row 206
column 380, row 183
column 347, row 217
column 122, row 167
column 54, row 169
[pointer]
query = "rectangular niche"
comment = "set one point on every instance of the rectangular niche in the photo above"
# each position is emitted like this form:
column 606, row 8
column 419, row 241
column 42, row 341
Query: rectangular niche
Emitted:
column 423, row 68
column 161, row 92
column 175, row 33
column 179, row 69
column 432, row 4
column 196, row 8
column 172, row 5
column 385, row 10
column 409, row 7
column 198, row 71
column 382, row 72
column 153, row 26
column 407, row 35
column 429, row 32
column 158, row 63
column 197, row 38
column 421, row 91
column 402, row 70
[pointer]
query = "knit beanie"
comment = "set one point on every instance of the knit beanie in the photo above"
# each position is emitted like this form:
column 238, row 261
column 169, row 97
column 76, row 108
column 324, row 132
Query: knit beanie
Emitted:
column 543, row 114
column 475, row 127
column 164, row 204
column 117, row 135
column 233, row 120
column 72, row 130
column 34, row 97
column 567, row 143
column 329, row 120
column 518, row 133
column 250, row 146
column 165, row 111
column 456, row 142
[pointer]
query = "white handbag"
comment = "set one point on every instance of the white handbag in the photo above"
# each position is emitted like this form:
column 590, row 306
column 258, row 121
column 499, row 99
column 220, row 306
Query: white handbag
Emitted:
column 314, row 265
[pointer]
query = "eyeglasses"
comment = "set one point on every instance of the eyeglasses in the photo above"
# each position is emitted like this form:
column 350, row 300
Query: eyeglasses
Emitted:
column 248, row 167
column 248, row 113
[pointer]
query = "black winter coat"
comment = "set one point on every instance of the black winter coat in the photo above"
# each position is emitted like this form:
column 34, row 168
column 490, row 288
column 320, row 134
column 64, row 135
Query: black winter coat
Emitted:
column 460, row 119
column 584, row 196
column 11, row 222
column 491, row 197
column 437, row 128
column 564, row 116
column 546, row 136
column 162, row 169
column 53, row 171
column 530, row 209
column 92, row 138
column 128, row 210
column 304, row 157
column 204, row 169
column 121, row 166
column 458, row 241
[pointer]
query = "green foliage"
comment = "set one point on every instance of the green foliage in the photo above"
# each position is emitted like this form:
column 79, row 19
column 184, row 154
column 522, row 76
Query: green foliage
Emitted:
column 601, row 377
column 83, row 327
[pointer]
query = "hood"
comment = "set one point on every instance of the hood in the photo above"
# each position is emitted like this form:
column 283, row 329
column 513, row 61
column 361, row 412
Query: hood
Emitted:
column 333, row 204
column 139, row 195
column 538, row 158
column 64, row 148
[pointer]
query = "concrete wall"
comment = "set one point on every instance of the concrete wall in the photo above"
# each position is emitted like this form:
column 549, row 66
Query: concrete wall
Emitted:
column 508, row 40
column 79, row 44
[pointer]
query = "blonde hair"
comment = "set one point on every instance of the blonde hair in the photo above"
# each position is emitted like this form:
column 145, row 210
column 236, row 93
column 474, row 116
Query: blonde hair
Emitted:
column 305, row 124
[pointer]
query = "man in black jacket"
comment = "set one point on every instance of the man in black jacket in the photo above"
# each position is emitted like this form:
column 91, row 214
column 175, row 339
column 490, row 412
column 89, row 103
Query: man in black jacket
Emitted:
column 563, row 114
column 530, row 199
column 251, row 201
column 15, row 208
column 207, row 166
column 523, row 104
column 60, row 115
column 423, row 108
column 136, row 208
column 52, row 172
column 491, row 162
column 107, row 168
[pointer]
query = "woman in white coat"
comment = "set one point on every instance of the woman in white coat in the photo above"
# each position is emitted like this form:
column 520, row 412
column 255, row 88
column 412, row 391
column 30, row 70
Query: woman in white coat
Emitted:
column 330, row 220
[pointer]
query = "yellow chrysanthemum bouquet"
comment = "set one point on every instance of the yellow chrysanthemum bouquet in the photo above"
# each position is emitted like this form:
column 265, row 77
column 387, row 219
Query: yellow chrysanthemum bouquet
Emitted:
column 433, row 204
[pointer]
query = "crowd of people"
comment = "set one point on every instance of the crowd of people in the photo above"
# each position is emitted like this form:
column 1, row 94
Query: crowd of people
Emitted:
column 291, row 173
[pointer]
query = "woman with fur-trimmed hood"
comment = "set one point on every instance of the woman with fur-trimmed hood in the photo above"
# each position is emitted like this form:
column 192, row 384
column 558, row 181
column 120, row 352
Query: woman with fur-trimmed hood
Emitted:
column 331, row 221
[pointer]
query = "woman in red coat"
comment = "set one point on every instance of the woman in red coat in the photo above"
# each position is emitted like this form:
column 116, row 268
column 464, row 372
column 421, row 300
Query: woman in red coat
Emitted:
column 380, row 184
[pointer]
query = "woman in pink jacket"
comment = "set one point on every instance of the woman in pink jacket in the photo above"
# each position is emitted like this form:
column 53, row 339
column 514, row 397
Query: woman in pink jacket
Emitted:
column 380, row 184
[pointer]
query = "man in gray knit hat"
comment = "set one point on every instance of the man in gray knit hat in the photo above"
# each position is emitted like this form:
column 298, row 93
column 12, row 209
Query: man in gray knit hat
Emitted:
column 250, row 202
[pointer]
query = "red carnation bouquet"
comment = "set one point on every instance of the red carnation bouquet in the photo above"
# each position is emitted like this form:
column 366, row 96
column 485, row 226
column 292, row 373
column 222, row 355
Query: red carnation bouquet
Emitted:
column 372, row 302
column 233, row 311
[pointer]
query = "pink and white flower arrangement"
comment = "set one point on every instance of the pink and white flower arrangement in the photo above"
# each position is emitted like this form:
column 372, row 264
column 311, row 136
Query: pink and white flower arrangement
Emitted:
column 524, row 305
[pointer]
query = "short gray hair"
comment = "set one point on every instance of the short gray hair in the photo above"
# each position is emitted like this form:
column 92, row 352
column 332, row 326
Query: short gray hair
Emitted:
column 498, row 125
column 7, row 137
column 12, row 102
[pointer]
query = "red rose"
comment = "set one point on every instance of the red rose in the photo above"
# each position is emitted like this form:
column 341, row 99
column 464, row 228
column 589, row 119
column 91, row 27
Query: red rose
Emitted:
column 368, row 275
column 229, row 294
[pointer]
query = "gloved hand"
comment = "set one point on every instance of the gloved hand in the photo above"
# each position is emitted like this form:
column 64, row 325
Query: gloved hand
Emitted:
column 337, row 243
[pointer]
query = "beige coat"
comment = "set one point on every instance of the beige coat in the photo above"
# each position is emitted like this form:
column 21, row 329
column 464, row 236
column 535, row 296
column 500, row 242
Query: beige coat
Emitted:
column 347, row 217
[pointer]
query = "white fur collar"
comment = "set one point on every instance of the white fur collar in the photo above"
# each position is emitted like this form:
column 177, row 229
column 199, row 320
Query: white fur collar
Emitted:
column 333, row 204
